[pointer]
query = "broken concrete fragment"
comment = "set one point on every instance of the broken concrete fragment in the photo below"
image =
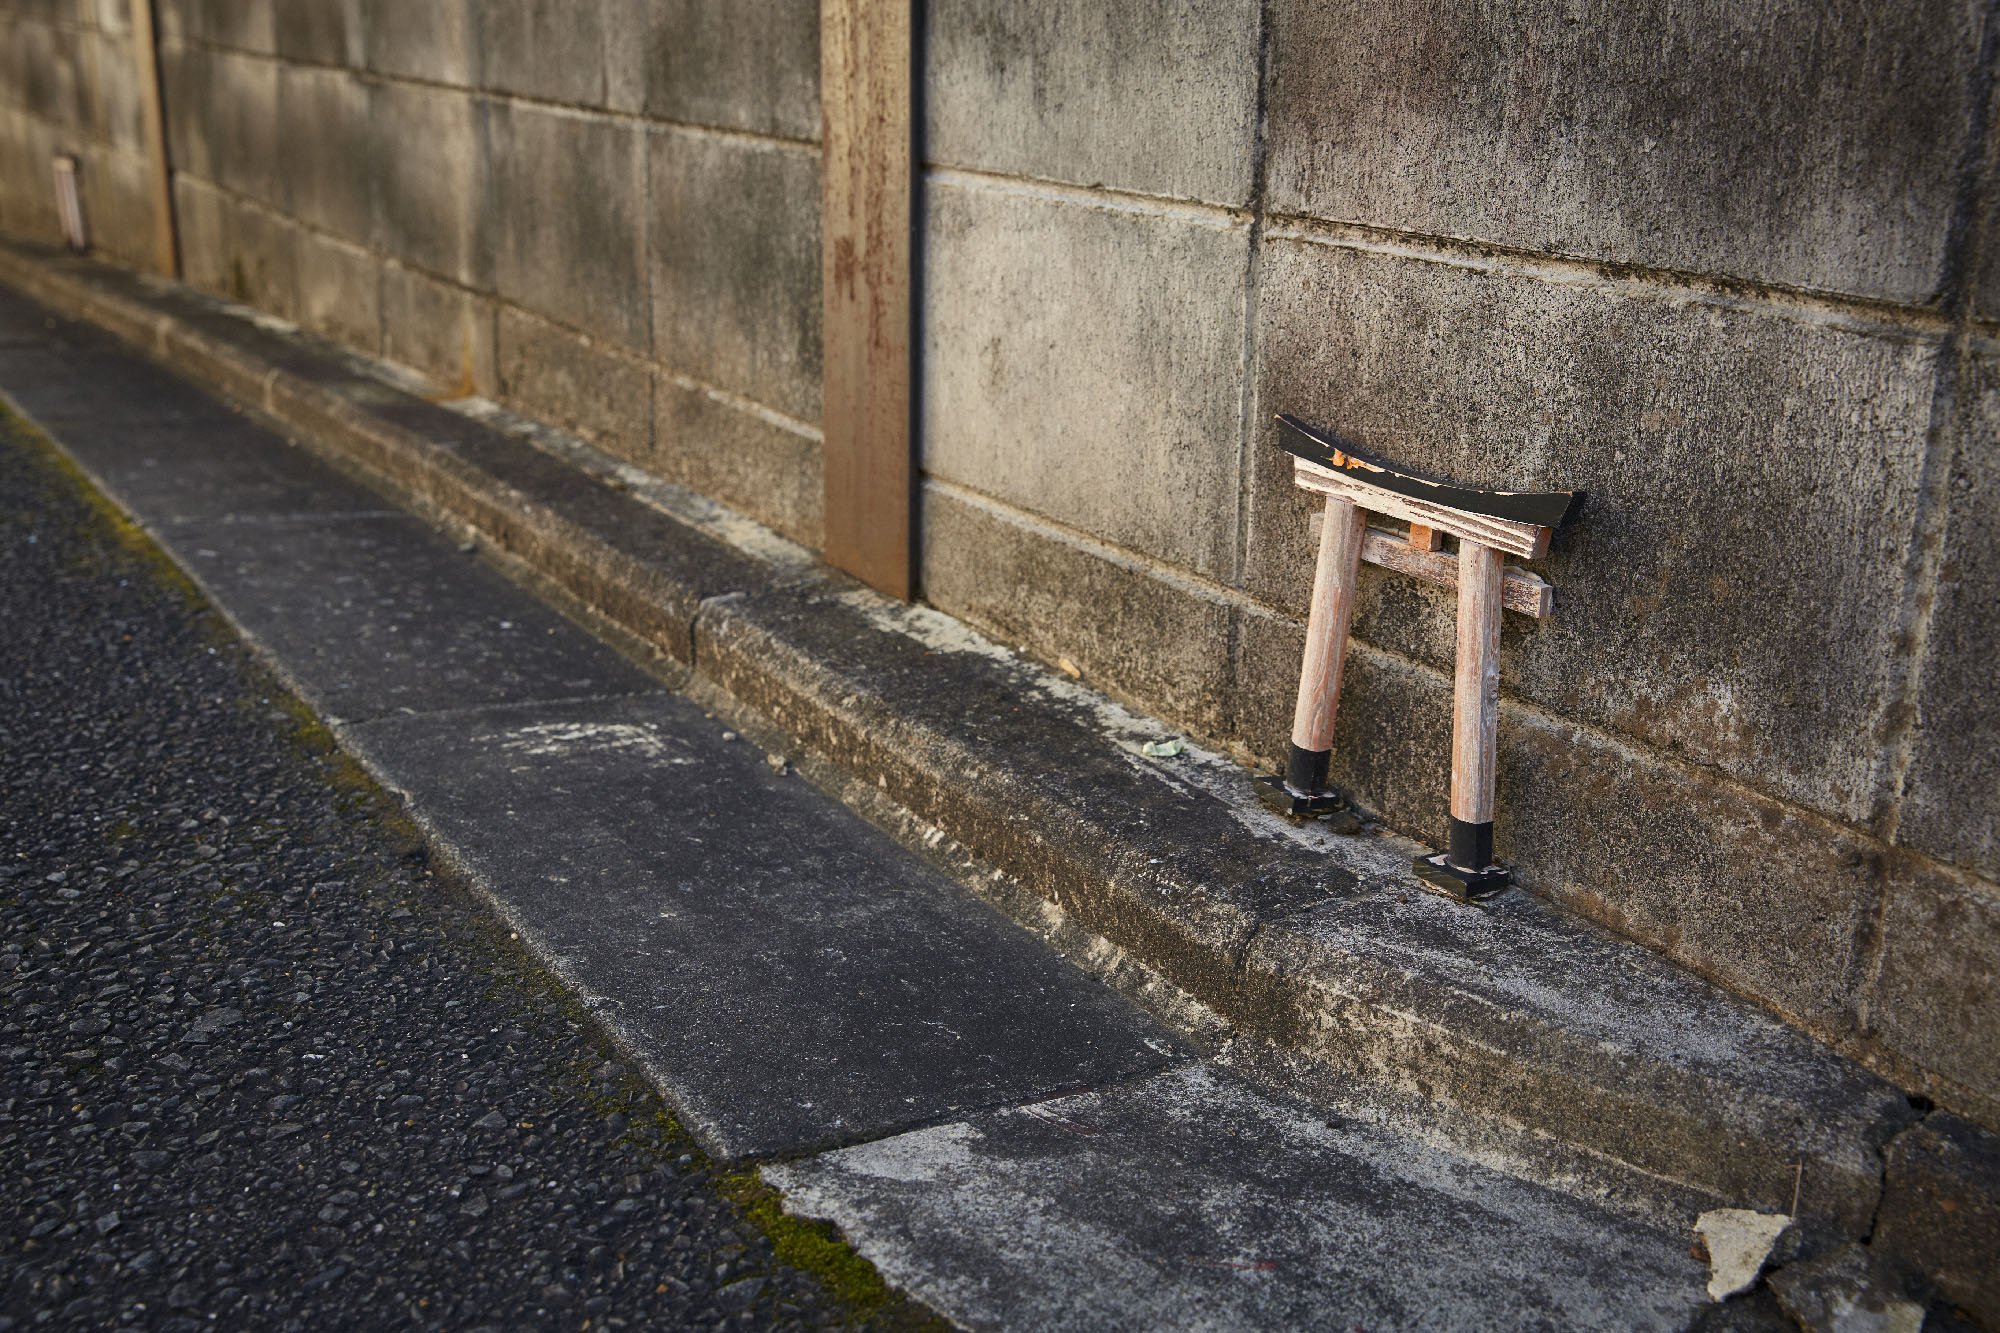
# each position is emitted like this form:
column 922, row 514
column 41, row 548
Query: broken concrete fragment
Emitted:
column 1739, row 1241
column 1847, row 1291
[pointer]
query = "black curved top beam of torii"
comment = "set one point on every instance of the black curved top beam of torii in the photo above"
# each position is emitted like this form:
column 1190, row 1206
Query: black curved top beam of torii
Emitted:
column 1547, row 509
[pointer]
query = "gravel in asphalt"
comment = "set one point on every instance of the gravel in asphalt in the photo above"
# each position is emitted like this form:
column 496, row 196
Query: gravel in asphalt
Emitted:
column 264, row 1066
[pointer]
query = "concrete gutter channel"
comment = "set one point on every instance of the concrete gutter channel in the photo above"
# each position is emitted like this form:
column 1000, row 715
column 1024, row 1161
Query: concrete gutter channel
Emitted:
column 1514, row 1035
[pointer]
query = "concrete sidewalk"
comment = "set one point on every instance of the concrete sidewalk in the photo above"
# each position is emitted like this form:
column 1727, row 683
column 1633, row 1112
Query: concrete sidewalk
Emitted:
column 261, row 1065
column 1013, row 1142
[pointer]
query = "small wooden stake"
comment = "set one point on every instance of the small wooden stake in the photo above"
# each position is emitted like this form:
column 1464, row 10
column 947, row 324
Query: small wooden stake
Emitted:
column 1475, row 718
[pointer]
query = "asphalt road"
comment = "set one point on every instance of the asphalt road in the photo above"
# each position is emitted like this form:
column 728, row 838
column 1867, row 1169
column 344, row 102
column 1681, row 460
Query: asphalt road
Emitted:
column 261, row 1065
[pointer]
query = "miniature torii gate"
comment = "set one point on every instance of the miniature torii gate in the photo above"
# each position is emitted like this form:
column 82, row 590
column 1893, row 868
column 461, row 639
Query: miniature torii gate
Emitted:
column 1489, row 526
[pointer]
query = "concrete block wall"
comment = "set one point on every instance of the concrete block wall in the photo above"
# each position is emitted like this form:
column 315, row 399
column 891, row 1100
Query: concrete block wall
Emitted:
column 68, row 85
column 602, row 212
column 1728, row 268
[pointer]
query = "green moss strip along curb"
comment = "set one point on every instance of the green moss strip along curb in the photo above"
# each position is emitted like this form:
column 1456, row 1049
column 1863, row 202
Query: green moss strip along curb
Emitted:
column 1515, row 1024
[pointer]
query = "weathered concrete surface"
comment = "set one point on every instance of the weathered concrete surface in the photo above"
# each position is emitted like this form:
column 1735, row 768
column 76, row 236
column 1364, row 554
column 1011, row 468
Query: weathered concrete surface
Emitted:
column 118, row 186
column 1846, row 1289
column 368, row 626
column 1697, row 863
column 1134, row 441
column 734, row 240
column 1790, row 143
column 583, row 266
column 571, row 380
column 1122, row 628
column 322, row 1085
column 1523, row 986
column 28, row 143
column 324, row 32
column 1158, row 862
column 429, row 159
column 548, row 49
column 1173, row 863
column 212, row 468
column 1935, row 996
column 1133, row 1208
column 1951, row 797
column 222, row 118
column 112, row 100
column 326, row 164
column 446, row 333
column 792, row 977
column 1094, row 93
column 1941, row 1210
column 1695, row 428
column 247, row 253
column 750, row 65
column 224, row 23
column 340, row 292
column 64, row 379
column 768, row 470
column 435, row 42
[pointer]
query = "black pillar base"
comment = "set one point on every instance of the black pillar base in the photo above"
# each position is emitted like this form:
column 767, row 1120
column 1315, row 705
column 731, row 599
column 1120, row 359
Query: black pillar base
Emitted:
column 1467, row 886
column 1330, row 805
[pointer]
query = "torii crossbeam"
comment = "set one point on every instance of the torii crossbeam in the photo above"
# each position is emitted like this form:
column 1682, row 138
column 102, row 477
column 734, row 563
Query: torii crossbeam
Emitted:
column 1489, row 526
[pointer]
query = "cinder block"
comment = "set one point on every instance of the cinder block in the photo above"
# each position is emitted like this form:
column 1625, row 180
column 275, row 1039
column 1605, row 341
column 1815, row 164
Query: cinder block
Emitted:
column 1729, row 592
column 1097, row 93
column 757, row 466
column 202, row 225
column 1126, row 632
column 1085, row 364
column 430, row 158
column 735, row 245
column 1951, row 798
column 444, row 332
column 340, row 292
column 118, row 201
column 751, row 65
column 51, row 65
column 30, row 207
column 568, row 204
column 1754, row 894
column 326, row 166
column 1791, row 144
column 1935, row 1001
column 553, row 374
column 222, row 119
column 115, row 112
column 434, row 41
column 549, row 49
column 237, row 250
column 325, row 32
column 13, row 61
column 625, row 55
column 238, row 25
